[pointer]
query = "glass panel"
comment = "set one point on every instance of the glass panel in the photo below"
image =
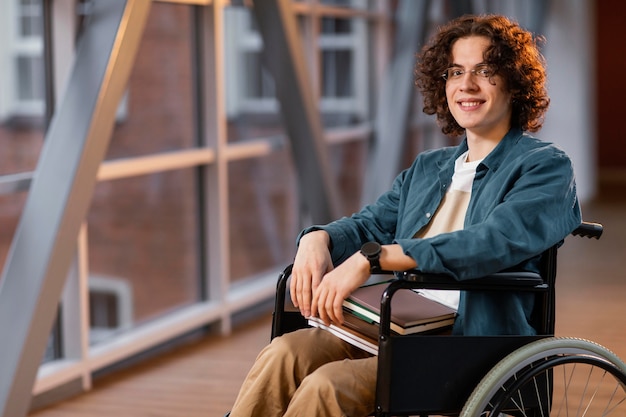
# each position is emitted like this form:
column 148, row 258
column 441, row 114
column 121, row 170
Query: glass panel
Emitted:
column 258, row 81
column 251, row 23
column 262, row 202
column 355, row 4
column 342, row 3
column 337, row 73
column 143, row 250
column 30, row 82
column 250, row 90
column 158, row 115
column 11, row 207
column 264, row 205
column 348, row 162
column 263, row 214
column 336, row 26
column 31, row 18
column 345, row 83
column 21, row 141
column 53, row 347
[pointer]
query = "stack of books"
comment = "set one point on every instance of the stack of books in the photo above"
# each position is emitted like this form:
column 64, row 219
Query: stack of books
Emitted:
column 411, row 313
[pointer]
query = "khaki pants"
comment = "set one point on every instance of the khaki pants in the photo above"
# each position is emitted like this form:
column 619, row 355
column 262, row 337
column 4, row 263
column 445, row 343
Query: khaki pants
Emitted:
column 309, row 373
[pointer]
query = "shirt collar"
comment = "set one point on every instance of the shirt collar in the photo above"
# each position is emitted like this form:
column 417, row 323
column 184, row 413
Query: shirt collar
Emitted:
column 497, row 155
column 491, row 161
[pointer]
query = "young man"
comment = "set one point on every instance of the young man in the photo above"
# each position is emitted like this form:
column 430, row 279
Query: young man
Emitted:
column 493, row 203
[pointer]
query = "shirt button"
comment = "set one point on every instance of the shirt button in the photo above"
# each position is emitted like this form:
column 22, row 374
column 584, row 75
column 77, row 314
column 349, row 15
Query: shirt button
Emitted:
column 428, row 215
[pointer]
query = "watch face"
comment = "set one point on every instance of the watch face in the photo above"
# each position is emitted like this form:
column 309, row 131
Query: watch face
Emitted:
column 370, row 249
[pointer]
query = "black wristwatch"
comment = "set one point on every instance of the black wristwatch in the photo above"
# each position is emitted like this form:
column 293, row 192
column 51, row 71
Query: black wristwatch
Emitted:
column 371, row 250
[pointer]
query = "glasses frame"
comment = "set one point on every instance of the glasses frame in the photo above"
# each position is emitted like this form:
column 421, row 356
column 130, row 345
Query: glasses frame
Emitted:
column 481, row 71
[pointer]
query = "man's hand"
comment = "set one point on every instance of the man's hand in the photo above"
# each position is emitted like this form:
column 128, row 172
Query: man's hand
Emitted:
column 336, row 286
column 312, row 262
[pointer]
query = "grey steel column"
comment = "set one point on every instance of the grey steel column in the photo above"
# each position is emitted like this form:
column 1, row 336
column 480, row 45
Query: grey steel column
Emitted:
column 48, row 55
column 537, row 15
column 394, row 104
column 284, row 57
column 60, row 193
column 461, row 7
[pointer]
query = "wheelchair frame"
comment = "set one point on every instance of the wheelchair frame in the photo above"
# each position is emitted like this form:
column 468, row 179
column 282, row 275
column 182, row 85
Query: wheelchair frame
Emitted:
column 440, row 387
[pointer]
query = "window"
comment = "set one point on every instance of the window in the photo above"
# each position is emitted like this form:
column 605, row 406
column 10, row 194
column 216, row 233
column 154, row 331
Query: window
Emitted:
column 341, row 48
column 22, row 83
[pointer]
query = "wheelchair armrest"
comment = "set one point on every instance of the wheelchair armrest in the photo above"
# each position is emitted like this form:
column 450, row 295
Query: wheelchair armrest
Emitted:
column 499, row 281
column 413, row 279
column 589, row 230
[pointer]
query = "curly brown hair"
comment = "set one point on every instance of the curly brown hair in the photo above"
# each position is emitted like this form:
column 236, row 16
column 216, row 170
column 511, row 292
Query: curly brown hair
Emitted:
column 514, row 55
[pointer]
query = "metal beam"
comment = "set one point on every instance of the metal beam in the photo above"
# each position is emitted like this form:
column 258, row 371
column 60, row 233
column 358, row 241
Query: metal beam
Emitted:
column 394, row 105
column 283, row 55
column 48, row 62
column 536, row 16
column 461, row 7
column 61, row 190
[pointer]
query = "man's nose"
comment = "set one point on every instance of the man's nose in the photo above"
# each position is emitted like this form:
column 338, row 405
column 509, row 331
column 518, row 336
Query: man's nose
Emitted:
column 468, row 81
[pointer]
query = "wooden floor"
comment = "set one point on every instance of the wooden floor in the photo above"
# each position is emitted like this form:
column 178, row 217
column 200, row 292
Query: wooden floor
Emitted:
column 202, row 379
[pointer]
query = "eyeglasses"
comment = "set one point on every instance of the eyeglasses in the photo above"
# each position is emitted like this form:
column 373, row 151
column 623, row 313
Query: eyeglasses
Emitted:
column 483, row 71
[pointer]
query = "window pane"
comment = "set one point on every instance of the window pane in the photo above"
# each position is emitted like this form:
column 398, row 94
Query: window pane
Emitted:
column 21, row 141
column 348, row 162
column 342, row 3
column 31, row 18
column 12, row 206
column 258, row 81
column 345, row 83
column 337, row 74
column 355, row 4
column 263, row 210
column 54, row 349
column 250, row 88
column 158, row 115
column 30, row 78
column 143, row 250
column 262, row 198
column 336, row 26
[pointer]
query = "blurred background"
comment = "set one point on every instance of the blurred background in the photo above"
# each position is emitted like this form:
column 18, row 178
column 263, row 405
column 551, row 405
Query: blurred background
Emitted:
column 207, row 181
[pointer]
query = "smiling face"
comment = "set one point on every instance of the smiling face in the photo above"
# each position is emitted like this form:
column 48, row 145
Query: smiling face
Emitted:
column 481, row 105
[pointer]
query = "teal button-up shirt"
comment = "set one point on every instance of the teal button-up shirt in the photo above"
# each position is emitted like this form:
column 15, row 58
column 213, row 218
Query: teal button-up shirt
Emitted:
column 523, row 202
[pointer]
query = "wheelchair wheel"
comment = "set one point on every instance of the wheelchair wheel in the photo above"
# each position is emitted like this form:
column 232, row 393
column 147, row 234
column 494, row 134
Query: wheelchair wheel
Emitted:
column 552, row 377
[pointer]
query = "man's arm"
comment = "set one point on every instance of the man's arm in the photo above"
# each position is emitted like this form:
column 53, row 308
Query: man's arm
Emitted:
column 339, row 283
column 311, row 263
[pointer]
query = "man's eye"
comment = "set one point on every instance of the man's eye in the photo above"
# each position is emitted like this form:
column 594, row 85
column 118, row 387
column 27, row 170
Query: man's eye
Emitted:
column 456, row 72
column 484, row 72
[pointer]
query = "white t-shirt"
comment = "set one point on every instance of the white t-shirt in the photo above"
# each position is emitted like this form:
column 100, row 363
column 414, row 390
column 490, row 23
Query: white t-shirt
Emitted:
column 450, row 216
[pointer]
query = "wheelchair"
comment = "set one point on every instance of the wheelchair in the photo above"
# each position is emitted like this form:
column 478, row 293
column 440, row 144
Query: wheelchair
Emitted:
column 476, row 376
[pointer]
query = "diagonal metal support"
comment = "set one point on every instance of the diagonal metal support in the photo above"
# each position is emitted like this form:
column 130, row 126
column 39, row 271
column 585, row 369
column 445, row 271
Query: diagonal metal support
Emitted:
column 284, row 57
column 60, row 193
column 535, row 15
column 394, row 105
column 461, row 7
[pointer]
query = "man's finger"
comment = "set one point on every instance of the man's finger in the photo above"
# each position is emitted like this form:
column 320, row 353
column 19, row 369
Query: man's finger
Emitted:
column 293, row 290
